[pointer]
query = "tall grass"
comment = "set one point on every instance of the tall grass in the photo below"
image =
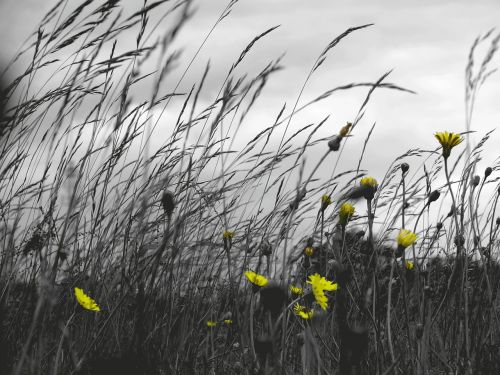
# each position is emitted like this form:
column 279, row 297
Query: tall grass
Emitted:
column 147, row 205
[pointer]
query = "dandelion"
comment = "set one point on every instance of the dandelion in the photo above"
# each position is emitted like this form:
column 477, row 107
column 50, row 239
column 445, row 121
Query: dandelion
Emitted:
column 85, row 301
column 309, row 251
column 227, row 234
column 301, row 311
column 406, row 238
column 319, row 285
column 409, row 265
column 296, row 290
column 345, row 129
column 256, row 279
column 228, row 322
column 369, row 181
column 345, row 213
column 448, row 140
column 211, row 323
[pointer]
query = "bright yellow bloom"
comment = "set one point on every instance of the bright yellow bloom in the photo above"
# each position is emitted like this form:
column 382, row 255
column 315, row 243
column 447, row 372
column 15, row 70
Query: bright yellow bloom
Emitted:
column 256, row 279
column 448, row 140
column 228, row 322
column 343, row 132
column 309, row 251
column 228, row 234
column 211, row 323
column 303, row 312
column 369, row 181
column 319, row 285
column 406, row 238
column 345, row 213
column 84, row 300
column 409, row 265
column 296, row 290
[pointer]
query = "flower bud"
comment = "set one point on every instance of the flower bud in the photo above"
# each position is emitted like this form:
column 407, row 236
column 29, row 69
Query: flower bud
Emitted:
column 334, row 144
column 433, row 196
column 167, row 201
column 439, row 225
column 487, row 172
column 405, row 167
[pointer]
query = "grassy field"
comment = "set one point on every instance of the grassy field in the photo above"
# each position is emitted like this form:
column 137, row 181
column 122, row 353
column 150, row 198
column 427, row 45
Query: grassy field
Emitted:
column 129, row 246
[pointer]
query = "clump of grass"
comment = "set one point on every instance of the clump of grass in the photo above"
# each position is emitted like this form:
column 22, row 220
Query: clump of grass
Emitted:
column 196, row 257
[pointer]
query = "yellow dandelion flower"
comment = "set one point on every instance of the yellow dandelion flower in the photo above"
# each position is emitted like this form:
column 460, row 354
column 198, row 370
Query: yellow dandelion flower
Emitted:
column 319, row 285
column 448, row 140
column 211, row 323
column 345, row 129
column 256, row 279
column 296, row 290
column 228, row 234
column 85, row 301
column 309, row 251
column 301, row 311
column 409, row 265
column 406, row 238
column 369, row 181
column 345, row 213
column 228, row 322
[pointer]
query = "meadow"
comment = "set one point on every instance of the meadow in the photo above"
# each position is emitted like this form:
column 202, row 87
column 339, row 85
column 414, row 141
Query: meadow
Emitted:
column 138, row 237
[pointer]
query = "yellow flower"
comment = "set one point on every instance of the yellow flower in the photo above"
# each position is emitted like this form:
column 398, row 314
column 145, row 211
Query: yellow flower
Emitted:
column 448, row 140
column 228, row 322
column 406, row 238
column 345, row 213
column 84, row 300
column 211, row 323
column 319, row 285
column 228, row 234
column 296, row 290
column 303, row 312
column 369, row 181
column 309, row 251
column 409, row 265
column 343, row 132
column 256, row 279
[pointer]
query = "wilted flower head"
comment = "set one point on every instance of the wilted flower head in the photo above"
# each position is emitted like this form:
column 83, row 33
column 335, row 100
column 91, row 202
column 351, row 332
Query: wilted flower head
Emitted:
column 296, row 290
column 448, row 140
column 319, row 285
column 303, row 312
column 345, row 213
column 406, row 238
column 256, row 279
column 345, row 129
column 85, row 301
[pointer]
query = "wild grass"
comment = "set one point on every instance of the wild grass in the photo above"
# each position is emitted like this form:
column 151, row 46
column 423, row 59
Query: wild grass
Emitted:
column 149, row 204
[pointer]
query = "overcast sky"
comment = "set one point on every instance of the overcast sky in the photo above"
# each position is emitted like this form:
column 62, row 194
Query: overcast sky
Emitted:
column 424, row 42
